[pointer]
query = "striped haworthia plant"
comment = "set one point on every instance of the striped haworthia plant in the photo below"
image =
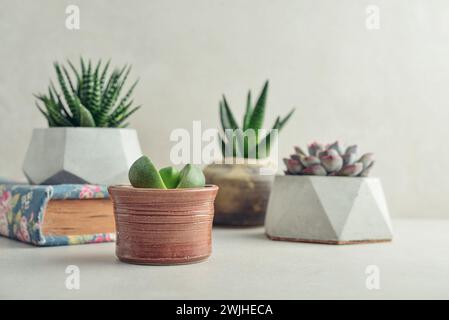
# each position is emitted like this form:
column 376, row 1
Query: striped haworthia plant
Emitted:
column 89, row 96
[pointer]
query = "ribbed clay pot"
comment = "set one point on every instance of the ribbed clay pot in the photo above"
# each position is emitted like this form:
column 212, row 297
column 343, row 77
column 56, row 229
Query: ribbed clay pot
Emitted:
column 244, row 192
column 163, row 227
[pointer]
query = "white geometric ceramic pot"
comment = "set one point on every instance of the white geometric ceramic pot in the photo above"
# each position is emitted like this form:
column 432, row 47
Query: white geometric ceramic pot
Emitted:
column 81, row 155
column 333, row 210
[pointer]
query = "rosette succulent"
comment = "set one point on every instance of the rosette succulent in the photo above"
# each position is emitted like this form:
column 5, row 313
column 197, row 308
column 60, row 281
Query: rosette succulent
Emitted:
column 89, row 97
column 329, row 160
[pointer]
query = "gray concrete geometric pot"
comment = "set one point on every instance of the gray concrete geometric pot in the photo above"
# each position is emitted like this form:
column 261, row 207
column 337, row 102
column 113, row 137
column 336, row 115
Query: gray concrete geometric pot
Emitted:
column 331, row 210
column 81, row 155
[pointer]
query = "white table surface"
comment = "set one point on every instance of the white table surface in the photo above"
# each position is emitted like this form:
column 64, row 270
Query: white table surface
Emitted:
column 244, row 265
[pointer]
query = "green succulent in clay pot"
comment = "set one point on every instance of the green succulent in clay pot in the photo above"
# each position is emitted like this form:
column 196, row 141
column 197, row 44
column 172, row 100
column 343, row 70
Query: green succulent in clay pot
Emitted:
column 329, row 160
column 144, row 174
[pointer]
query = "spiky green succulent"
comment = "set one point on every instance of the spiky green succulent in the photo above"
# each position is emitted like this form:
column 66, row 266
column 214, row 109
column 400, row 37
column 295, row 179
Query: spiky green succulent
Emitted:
column 90, row 96
column 329, row 160
column 247, row 141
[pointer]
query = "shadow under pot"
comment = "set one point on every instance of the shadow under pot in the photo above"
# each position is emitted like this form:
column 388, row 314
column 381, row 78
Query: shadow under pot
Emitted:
column 163, row 227
column 244, row 192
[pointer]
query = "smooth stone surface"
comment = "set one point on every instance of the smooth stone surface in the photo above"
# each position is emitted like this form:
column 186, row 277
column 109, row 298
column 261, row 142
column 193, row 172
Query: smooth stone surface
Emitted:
column 244, row 265
column 334, row 210
column 81, row 155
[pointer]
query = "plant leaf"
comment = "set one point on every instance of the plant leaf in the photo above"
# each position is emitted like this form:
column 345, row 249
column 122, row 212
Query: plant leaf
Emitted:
column 285, row 120
column 258, row 114
column 248, row 112
column 231, row 120
column 86, row 119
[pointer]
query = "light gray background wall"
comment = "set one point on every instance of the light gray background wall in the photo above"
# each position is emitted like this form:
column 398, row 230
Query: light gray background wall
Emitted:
column 385, row 89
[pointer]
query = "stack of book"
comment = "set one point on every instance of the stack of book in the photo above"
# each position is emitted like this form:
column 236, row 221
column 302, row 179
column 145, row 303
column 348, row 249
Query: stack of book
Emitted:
column 46, row 215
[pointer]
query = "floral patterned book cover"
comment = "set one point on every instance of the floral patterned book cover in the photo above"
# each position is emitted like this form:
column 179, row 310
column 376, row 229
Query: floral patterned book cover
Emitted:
column 22, row 211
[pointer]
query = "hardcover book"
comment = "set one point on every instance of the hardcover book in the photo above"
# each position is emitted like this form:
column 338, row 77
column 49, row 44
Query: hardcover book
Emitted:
column 56, row 215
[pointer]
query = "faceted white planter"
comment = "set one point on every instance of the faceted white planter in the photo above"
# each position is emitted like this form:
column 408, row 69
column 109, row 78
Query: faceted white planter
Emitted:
column 81, row 155
column 334, row 210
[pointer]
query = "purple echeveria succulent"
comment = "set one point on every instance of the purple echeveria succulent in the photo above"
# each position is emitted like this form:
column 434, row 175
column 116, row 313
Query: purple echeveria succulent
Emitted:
column 329, row 160
column 315, row 148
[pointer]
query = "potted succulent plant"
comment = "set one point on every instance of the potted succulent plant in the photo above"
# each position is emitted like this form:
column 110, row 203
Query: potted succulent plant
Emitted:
column 87, row 140
column 164, row 217
column 326, row 196
column 244, row 191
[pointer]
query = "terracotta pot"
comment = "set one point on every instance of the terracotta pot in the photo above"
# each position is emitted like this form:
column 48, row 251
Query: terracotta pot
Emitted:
column 163, row 227
column 244, row 192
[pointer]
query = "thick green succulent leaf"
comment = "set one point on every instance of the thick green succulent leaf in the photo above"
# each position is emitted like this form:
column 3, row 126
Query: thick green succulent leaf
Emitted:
column 143, row 174
column 258, row 114
column 191, row 176
column 170, row 176
column 86, row 119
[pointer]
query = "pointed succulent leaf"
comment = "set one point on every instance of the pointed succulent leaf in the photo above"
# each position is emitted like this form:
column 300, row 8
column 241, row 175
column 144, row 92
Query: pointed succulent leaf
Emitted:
column 315, row 148
column 349, row 158
column 316, row 170
column 367, row 159
column 335, row 146
column 258, row 114
column 86, row 119
column 351, row 149
column 310, row 161
column 295, row 157
column 230, row 117
column 351, row 170
column 284, row 121
column 294, row 166
column 331, row 161
column 299, row 151
column 70, row 100
column 367, row 170
column 248, row 111
column 224, row 117
column 103, row 74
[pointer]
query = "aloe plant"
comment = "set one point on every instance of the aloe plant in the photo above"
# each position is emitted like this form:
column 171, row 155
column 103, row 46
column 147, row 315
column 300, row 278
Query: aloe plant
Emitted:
column 246, row 141
column 89, row 96
column 329, row 160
